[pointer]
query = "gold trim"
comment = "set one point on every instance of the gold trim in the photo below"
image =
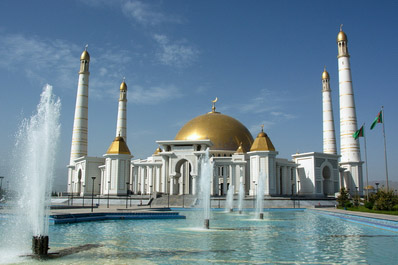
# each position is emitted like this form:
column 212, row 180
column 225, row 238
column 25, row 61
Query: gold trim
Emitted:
column 342, row 69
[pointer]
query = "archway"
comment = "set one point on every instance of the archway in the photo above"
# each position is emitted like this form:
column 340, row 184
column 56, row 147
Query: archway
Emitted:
column 184, row 180
column 79, row 181
column 327, row 181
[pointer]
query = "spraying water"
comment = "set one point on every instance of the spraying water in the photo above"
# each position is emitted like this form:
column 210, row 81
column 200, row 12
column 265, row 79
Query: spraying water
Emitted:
column 206, row 172
column 260, row 196
column 230, row 199
column 241, row 195
column 33, row 167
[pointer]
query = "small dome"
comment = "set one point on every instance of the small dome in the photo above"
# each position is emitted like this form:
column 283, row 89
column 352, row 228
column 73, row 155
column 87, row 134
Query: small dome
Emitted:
column 85, row 56
column 341, row 36
column 157, row 151
column 262, row 143
column 225, row 132
column 118, row 146
column 240, row 150
column 123, row 86
column 325, row 75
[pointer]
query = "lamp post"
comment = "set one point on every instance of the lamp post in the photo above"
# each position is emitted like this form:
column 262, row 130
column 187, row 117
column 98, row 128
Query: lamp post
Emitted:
column 69, row 195
column 1, row 183
column 168, row 194
column 72, row 193
column 109, row 184
column 127, row 193
column 377, row 187
column 255, row 193
column 99, row 193
column 150, row 195
column 84, row 190
column 92, row 195
column 183, row 195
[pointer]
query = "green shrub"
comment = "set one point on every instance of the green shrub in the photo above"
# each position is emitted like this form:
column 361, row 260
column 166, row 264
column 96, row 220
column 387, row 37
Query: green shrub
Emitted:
column 343, row 199
column 369, row 205
column 385, row 200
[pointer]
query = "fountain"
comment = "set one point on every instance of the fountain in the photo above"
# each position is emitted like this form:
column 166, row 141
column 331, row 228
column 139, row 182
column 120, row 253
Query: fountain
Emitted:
column 260, row 196
column 206, row 171
column 229, row 207
column 34, row 158
column 241, row 195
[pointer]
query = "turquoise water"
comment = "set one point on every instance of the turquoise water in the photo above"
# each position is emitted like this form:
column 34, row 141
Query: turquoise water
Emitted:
column 283, row 237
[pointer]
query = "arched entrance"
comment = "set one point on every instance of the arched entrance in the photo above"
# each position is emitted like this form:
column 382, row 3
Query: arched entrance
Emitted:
column 79, row 182
column 327, row 180
column 183, row 178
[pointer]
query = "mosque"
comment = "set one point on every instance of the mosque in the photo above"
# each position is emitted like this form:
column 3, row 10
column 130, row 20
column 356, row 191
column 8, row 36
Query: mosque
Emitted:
column 174, row 167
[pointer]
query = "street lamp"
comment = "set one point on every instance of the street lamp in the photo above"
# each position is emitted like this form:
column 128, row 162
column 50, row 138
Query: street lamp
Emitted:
column 127, row 193
column 377, row 186
column 109, row 184
column 183, row 195
column 92, row 195
column 69, row 195
column 72, row 193
column 99, row 193
column 84, row 190
column 1, row 183
column 168, row 194
column 255, row 192
column 150, row 195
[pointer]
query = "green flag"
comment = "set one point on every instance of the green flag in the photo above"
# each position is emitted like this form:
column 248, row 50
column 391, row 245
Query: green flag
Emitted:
column 358, row 133
column 379, row 119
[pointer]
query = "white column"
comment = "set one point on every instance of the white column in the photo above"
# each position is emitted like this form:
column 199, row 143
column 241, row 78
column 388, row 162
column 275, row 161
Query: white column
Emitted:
column 329, row 136
column 350, row 150
column 121, row 126
column 80, row 128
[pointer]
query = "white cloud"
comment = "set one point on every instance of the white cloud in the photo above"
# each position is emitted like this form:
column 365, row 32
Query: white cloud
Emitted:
column 145, row 14
column 174, row 54
column 153, row 95
column 46, row 61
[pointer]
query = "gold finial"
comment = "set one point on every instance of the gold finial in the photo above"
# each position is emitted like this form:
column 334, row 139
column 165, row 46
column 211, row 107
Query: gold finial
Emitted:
column 324, row 68
column 262, row 127
column 213, row 108
column 341, row 27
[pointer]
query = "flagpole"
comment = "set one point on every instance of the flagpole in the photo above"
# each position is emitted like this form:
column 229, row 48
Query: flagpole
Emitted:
column 385, row 148
column 366, row 161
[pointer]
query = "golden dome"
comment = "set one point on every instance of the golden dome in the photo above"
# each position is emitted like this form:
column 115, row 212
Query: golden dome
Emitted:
column 240, row 150
column 341, row 36
column 123, row 86
column 325, row 75
column 157, row 151
column 262, row 143
column 85, row 56
column 118, row 146
column 225, row 132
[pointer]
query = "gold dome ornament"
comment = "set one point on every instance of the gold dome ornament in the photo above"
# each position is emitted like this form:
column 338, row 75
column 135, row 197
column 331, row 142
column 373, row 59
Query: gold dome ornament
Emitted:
column 262, row 142
column 123, row 86
column 325, row 74
column 225, row 132
column 341, row 36
column 85, row 55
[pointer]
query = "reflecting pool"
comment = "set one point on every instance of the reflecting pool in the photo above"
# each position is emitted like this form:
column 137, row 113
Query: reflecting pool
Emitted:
column 282, row 237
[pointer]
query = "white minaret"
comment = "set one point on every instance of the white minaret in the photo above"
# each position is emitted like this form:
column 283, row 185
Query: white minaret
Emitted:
column 329, row 136
column 79, row 135
column 121, row 125
column 350, row 152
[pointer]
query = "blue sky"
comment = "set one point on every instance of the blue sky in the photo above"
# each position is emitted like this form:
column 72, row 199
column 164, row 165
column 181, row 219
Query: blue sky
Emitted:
column 262, row 59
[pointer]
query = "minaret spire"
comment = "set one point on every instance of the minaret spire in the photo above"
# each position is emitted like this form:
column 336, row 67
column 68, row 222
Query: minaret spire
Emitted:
column 350, row 152
column 121, row 126
column 80, row 128
column 329, row 136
